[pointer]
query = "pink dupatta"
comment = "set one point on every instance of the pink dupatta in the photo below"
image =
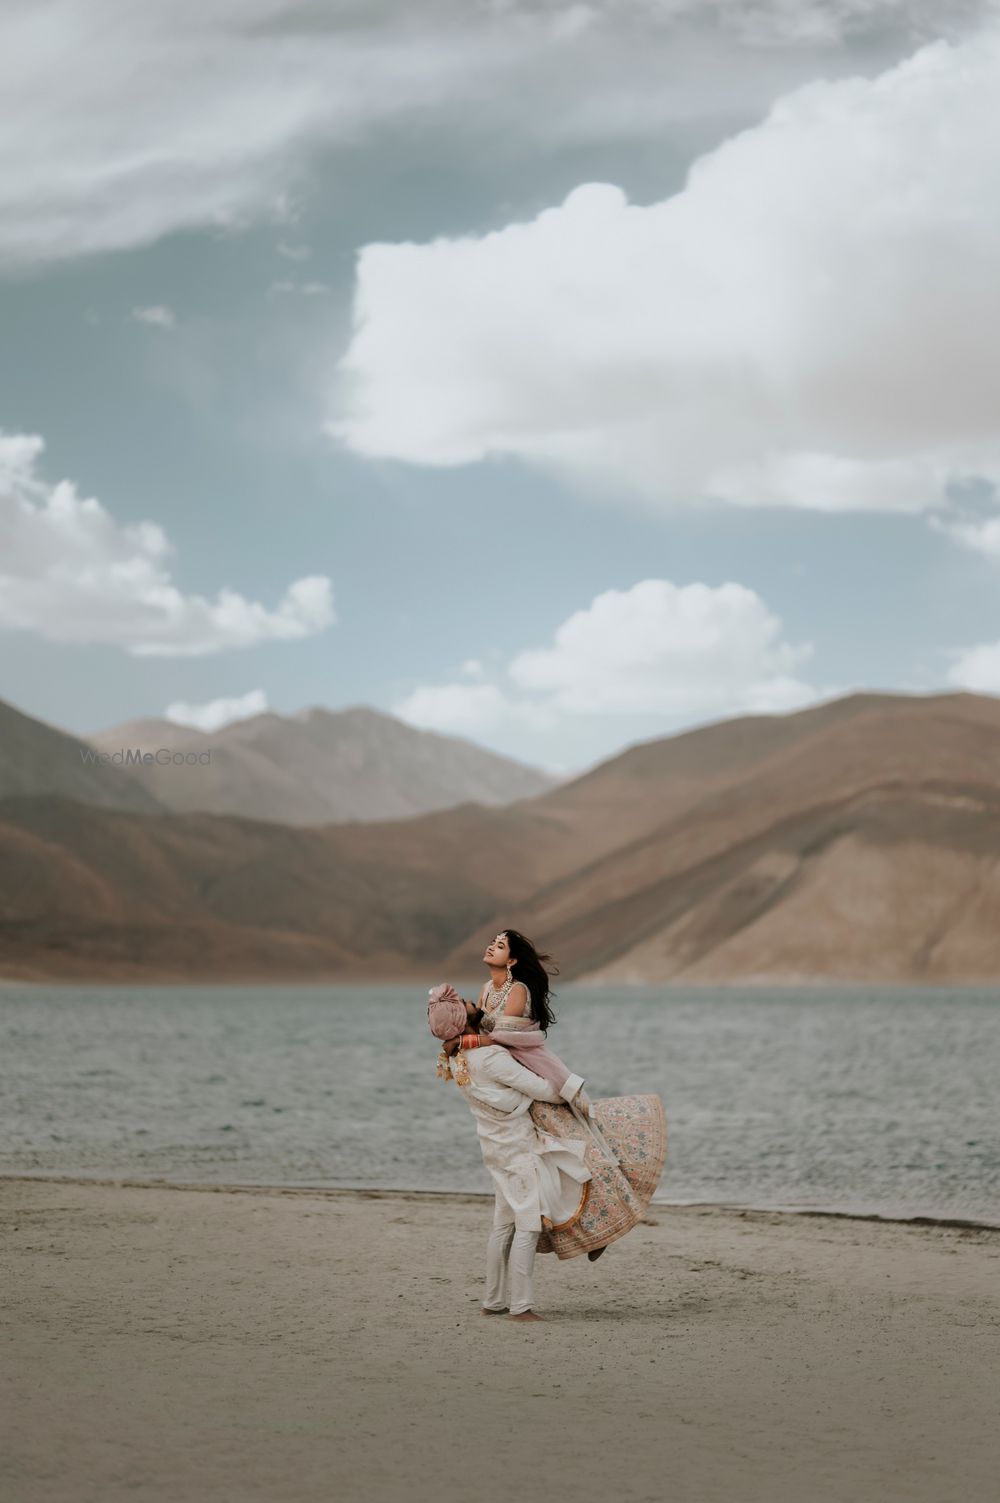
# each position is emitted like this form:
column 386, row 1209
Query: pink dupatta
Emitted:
column 529, row 1048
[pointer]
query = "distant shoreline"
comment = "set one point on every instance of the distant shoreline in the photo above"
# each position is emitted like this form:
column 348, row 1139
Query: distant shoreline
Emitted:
column 583, row 983
column 361, row 1192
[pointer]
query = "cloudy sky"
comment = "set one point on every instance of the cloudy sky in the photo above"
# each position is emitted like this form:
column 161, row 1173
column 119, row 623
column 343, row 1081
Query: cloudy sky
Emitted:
column 553, row 374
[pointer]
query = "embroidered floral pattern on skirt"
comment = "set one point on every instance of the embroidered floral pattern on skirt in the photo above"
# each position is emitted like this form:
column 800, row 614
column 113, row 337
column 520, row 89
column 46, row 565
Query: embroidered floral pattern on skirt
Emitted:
column 621, row 1187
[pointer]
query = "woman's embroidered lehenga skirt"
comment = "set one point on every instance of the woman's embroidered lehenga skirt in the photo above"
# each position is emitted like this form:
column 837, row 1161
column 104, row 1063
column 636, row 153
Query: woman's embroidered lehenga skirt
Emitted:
column 634, row 1129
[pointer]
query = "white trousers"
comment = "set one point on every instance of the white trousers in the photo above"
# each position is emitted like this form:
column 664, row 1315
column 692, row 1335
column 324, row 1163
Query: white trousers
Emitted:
column 510, row 1257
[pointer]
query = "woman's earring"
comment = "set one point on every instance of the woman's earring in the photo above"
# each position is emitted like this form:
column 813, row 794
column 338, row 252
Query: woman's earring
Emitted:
column 510, row 973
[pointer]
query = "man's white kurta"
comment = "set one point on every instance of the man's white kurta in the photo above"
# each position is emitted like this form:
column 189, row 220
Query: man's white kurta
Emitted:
column 534, row 1174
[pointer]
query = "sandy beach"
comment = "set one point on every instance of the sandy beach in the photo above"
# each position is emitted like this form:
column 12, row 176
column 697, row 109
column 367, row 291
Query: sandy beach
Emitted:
column 232, row 1344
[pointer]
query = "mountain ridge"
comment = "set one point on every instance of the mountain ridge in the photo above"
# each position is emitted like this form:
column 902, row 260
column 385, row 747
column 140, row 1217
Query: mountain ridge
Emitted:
column 320, row 766
column 37, row 758
column 856, row 841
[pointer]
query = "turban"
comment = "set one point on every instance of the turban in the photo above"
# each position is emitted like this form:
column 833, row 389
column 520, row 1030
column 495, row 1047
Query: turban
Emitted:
column 446, row 1014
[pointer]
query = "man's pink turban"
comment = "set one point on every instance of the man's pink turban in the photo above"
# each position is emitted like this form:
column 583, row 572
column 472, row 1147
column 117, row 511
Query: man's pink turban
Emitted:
column 446, row 1012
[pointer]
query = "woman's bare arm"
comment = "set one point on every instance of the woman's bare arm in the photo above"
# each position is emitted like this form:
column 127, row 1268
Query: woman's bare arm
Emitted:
column 516, row 1001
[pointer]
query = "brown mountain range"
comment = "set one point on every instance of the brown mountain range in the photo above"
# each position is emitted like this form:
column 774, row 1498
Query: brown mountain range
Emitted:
column 855, row 841
column 36, row 759
column 863, row 842
column 319, row 766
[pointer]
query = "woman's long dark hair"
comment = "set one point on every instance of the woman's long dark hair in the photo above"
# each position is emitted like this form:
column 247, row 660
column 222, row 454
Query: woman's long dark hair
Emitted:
column 534, row 969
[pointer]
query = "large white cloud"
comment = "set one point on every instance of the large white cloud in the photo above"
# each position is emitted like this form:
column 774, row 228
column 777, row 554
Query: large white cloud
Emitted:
column 674, row 652
column 123, row 122
column 812, row 321
column 668, row 649
column 70, row 573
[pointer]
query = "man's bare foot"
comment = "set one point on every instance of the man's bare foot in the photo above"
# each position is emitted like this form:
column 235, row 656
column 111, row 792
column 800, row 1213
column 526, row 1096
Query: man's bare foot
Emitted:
column 483, row 1311
column 593, row 1256
column 526, row 1315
